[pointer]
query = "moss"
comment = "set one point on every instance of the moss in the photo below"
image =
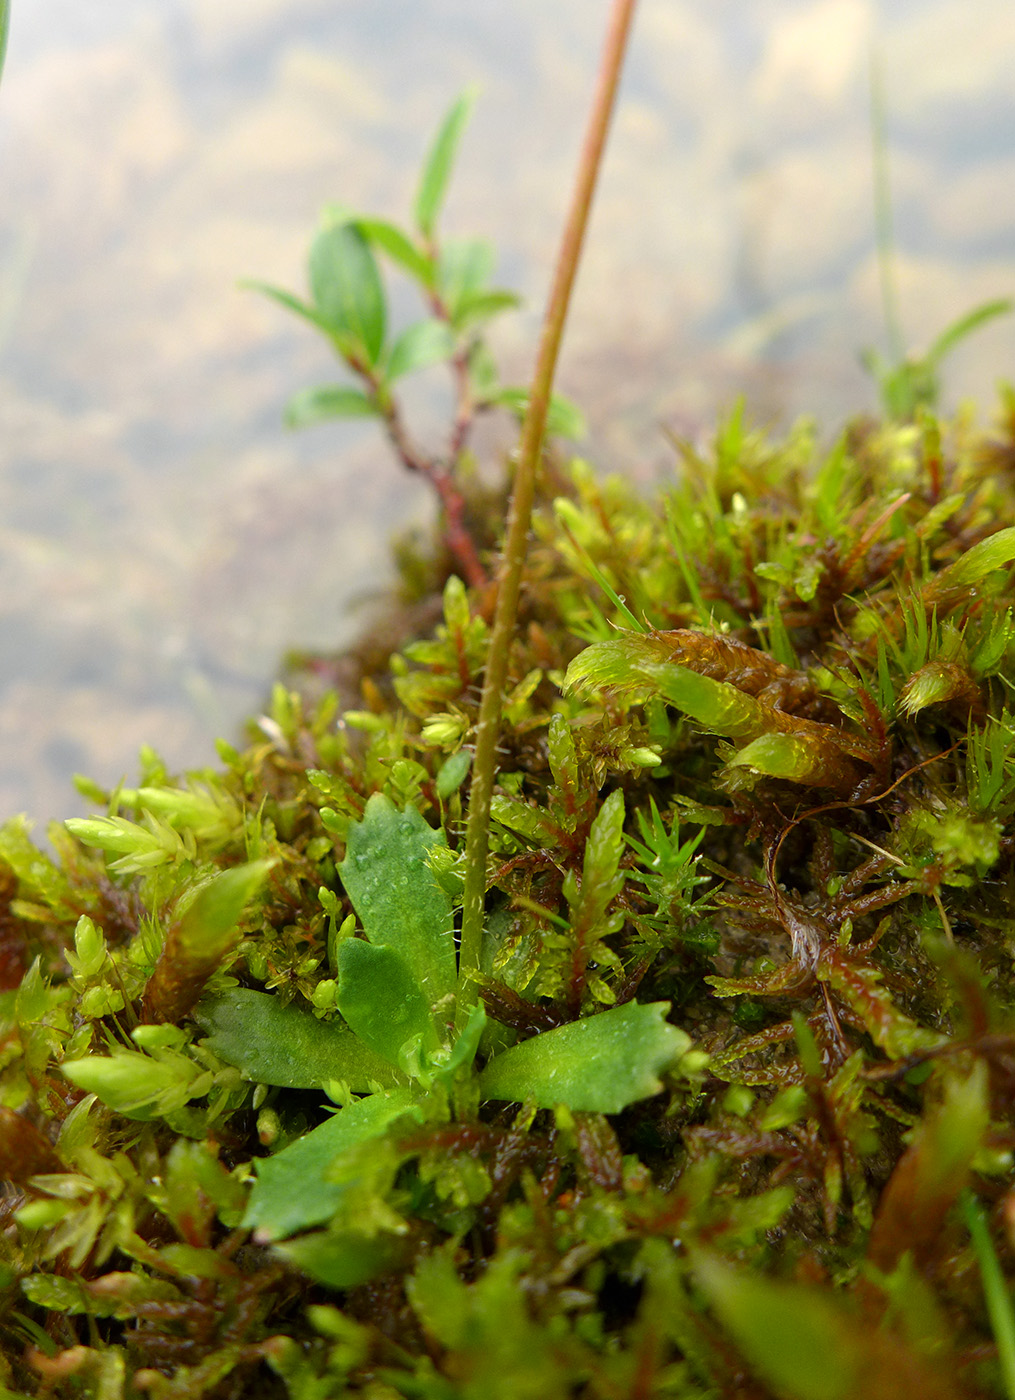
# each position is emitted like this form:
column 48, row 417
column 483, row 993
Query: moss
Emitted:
column 758, row 765
column 719, row 1103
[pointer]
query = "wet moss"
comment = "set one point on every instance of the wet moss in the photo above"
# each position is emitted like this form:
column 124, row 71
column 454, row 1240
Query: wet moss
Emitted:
column 758, row 765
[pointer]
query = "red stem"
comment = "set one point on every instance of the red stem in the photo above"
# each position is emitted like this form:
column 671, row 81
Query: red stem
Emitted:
column 452, row 502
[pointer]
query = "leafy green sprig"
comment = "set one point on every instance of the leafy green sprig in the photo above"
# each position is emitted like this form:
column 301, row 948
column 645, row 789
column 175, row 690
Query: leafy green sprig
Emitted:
column 348, row 305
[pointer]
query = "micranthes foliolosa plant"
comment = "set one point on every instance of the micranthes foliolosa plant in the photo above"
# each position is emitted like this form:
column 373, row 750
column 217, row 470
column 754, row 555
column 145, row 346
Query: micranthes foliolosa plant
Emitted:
column 709, row 1093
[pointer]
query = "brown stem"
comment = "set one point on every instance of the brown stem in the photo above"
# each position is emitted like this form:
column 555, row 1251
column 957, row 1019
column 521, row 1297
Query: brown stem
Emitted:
column 452, row 502
column 465, row 412
column 456, row 535
column 513, row 558
column 465, row 409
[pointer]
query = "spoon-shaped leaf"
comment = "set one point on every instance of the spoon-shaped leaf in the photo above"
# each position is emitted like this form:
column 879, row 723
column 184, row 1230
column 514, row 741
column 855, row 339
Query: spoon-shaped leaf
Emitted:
column 598, row 1064
column 293, row 1191
column 394, row 892
column 276, row 1044
column 381, row 999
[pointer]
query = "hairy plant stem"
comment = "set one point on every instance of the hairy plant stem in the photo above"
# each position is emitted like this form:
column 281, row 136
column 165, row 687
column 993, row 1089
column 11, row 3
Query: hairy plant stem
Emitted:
column 513, row 557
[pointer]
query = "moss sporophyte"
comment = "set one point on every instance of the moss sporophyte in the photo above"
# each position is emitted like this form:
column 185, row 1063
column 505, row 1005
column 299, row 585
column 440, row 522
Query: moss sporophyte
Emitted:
column 715, row 1100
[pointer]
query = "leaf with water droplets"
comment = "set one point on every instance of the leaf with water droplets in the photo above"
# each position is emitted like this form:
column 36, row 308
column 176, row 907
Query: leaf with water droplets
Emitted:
column 276, row 1044
column 381, row 999
column 394, row 892
column 294, row 1189
column 599, row 1064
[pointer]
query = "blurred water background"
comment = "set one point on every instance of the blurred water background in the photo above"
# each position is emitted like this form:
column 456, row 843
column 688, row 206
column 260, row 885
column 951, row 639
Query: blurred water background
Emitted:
column 163, row 539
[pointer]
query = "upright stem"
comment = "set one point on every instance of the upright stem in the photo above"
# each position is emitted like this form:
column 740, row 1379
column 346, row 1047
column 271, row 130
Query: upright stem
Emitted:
column 441, row 478
column 513, row 558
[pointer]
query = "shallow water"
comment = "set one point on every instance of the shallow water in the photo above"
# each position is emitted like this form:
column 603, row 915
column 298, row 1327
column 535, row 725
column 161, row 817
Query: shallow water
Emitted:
column 163, row 540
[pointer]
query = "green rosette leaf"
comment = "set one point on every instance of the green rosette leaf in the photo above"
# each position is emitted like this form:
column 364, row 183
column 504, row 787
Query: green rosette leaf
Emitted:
column 396, row 895
column 282, row 1045
column 293, row 1190
column 598, row 1064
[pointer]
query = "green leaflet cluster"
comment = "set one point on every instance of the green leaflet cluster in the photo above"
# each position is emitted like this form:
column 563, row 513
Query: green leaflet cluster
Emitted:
column 396, row 995
column 348, row 306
